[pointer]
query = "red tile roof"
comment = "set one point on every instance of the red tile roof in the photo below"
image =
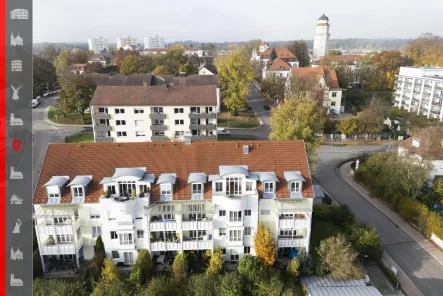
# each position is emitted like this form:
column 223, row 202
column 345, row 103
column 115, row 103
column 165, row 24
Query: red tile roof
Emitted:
column 78, row 67
column 431, row 143
column 155, row 95
column 279, row 65
column 282, row 53
column 101, row 159
column 317, row 72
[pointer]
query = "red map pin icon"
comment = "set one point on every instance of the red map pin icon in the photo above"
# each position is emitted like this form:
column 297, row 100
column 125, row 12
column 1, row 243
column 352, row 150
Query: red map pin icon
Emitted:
column 16, row 144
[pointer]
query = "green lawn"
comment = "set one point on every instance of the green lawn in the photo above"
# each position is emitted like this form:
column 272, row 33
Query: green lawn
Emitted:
column 245, row 119
column 86, row 137
column 70, row 118
column 321, row 230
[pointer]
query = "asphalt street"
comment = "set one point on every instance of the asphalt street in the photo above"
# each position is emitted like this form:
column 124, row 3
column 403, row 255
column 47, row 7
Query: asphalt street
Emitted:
column 423, row 270
column 43, row 134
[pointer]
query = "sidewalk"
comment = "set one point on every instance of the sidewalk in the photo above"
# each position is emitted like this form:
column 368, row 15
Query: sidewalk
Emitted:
column 430, row 247
column 46, row 119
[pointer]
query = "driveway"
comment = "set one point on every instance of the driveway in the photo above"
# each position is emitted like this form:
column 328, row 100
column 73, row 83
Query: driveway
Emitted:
column 43, row 134
column 423, row 270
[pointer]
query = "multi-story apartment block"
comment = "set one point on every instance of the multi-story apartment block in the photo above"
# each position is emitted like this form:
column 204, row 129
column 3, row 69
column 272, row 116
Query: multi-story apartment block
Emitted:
column 170, row 198
column 154, row 42
column 154, row 113
column 327, row 80
column 127, row 40
column 420, row 90
column 98, row 44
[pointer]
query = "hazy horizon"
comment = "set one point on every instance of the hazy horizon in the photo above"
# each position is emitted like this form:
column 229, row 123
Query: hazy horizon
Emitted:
column 231, row 21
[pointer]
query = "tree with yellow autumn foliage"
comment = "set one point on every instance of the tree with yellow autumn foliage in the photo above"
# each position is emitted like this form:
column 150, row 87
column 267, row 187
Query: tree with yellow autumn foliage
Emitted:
column 265, row 246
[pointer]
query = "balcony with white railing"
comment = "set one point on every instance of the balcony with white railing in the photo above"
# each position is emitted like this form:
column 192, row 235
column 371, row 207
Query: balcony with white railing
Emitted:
column 66, row 227
column 200, row 244
column 127, row 245
column 125, row 225
column 291, row 242
column 164, row 225
column 50, row 247
column 294, row 223
column 205, row 224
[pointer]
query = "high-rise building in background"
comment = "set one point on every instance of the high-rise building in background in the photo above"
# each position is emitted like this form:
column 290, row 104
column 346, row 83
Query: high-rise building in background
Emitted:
column 154, row 42
column 321, row 37
column 124, row 41
column 98, row 44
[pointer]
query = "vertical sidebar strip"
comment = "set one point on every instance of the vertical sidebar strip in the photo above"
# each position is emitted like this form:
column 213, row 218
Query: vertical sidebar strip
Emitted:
column 3, row 146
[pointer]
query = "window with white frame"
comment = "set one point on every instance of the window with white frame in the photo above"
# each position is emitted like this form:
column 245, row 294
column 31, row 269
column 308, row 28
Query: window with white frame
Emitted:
column 179, row 133
column 235, row 235
column 197, row 188
column 114, row 235
column 235, row 257
column 96, row 231
column 248, row 230
column 139, row 111
column 115, row 254
column 334, row 94
column 218, row 187
column 196, row 212
column 126, row 187
column 121, row 122
column 157, row 110
column 265, row 212
column 139, row 123
column 222, row 213
column 140, row 234
column 179, row 122
column 295, row 186
column 233, row 186
column 288, row 232
column 78, row 191
column 60, row 220
column 223, row 251
column 119, row 111
column 125, row 239
column 178, row 110
column 94, row 213
column 159, row 122
column 53, row 195
column 140, row 134
column 247, row 212
column 165, row 189
column 249, row 186
column 222, row 231
column 121, row 134
column 197, row 233
column 247, row 250
column 269, row 187
column 65, row 238
column 129, row 257
column 235, row 216
column 333, row 104
column 195, row 109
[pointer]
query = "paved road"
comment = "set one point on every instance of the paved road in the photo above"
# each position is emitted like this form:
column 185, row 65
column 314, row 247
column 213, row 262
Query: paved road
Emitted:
column 424, row 271
column 43, row 134
column 257, row 103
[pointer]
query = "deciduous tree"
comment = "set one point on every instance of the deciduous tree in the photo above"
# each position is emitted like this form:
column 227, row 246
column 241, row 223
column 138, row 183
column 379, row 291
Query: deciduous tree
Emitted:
column 44, row 76
column 187, row 68
column 265, row 246
column 215, row 263
column 95, row 266
column 77, row 94
column 130, row 65
column 121, row 54
column 368, row 123
column 274, row 87
column 426, row 50
column 142, row 270
column 301, row 51
column 80, row 56
column 231, row 285
column 333, row 52
column 249, row 267
column 235, row 72
column 299, row 119
column 340, row 260
column 62, row 64
column 109, row 272
column 180, row 267
column 347, row 126
column 367, row 242
column 114, row 288
column 50, row 53
column 94, row 67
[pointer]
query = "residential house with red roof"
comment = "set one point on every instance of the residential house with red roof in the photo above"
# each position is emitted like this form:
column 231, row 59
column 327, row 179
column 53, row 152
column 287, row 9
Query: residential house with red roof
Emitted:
column 171, row 197
column 327, row 79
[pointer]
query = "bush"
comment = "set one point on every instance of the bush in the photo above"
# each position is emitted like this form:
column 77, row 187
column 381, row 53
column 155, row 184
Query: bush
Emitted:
column 269, row 286
column 435, row 225
column 323, row 212
column 231, row 285
column 142, row 271
column 95, row 266
column 57, row 287
column 161, row 286
column 343, row 216
column 338, row 258
column 180, row 266
column 294, row 268
column 202, row 285
column 367, row 242
column 306, row 266
column 249, row 267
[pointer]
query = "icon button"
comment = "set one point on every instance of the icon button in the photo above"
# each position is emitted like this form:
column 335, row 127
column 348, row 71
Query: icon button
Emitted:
column 16, row 40
column 15, row 175
column 15, row 282
column 16, row 144
column 16, row 200
column 16, row 66
column 17, row 226
column 16, row 255
column 19, row 14
column 16, row 121
column 15, row 95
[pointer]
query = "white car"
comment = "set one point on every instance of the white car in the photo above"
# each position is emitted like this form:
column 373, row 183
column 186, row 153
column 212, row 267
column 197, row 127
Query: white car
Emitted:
column 35, row 103
column 222, row 131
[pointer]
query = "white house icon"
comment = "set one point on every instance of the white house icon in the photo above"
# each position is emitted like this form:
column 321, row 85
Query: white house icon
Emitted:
column 16, row 41
column 16, row 200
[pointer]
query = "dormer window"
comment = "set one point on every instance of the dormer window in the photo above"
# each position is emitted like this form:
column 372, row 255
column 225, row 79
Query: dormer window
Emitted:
column 197, row 188
column 268, row 187
column 295, row 186
column 78, row 192
column 197, row 181
column 78, row 188
column 233, row 186
column 55, row 187
column 165, row 189
column 166, row 181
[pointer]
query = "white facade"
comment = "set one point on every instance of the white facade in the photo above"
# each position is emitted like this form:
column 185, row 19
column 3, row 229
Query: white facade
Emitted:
column 200, row 53
column 204, row 71
column 127, row 40
column 154, row 42
column 154, row 123
column 321, row 37
column 420, row 90
column 126, row 224
column 97, row 45
column 437, row 164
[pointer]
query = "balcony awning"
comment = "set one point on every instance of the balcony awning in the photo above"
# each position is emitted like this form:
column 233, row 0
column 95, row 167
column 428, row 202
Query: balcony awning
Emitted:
column 293, row 176
column 57, row 181
column 148, row 178
column 197, row 178
column 267, row 176
column 81, row 181
column 233, row 169
column 213, row 178
column 53, row 211
column 106, row 180
column 167, row 178
column 129, row 172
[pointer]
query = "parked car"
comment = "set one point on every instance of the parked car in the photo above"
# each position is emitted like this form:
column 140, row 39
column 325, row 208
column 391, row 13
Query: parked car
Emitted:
column 222, row 131
column 87, row 129
column 35, row 103
column 266, row 107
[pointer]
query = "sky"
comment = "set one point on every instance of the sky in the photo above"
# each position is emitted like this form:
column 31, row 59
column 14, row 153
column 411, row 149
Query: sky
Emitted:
column 232, row 20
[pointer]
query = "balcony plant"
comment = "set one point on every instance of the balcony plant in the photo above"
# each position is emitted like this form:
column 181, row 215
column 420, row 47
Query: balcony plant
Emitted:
column 106, row 193
column 142, row 193
column 133, row 194
column 153, row 238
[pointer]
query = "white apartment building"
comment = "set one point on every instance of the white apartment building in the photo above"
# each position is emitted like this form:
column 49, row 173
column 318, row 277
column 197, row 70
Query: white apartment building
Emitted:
column 154, row 42
column 327, row 80
column 170, row 198
column 98, row 44
column 154, row 113
column 420, row 90
column 321, row 37
column 127, row 40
